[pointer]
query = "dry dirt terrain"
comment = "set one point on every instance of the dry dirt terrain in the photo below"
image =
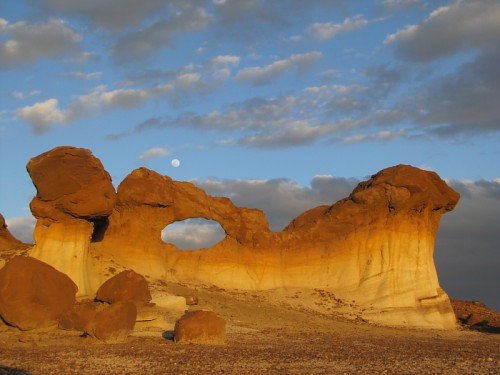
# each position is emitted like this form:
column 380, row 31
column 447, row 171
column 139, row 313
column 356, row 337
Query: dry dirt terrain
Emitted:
column 279, row 332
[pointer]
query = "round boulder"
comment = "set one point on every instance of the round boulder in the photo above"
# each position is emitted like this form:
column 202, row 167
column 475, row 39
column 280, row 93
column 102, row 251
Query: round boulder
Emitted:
column 70, row 182
column 127, row 286
column 114, row 323
column 34, row 294
column 201, row 327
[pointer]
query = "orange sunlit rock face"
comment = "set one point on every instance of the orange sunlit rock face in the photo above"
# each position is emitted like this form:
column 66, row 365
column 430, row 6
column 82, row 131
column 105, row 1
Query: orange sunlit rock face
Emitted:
column 374, row 247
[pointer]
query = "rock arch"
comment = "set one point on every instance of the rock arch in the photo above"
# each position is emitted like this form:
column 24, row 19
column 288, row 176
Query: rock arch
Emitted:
column 374, row 246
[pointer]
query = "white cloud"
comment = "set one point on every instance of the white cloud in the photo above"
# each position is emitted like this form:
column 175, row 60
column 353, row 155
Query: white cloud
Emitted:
column 222, row 74
column 123, row 98
column 154, row 153
column 281, row 199
column 21, row 95
column 462, row 103
column 291, row 134
column 193, row 234
column 461, row 26
column 225, row 60
column 383, row 135
column 399, row 4
column 42, row 115
column 27, row 43
column 116, row 14
column 22, row 228
column 329, row 30
column 85, row 76
column 266, row 74
column 146, row 42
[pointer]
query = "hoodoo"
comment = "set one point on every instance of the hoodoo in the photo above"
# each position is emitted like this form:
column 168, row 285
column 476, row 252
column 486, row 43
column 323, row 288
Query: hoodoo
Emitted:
column 374, row 247
column 74, row 197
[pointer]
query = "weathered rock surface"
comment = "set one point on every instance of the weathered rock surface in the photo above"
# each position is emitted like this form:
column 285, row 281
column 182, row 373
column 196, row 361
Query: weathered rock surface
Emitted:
column 79, row 317
column 120, row 301
column 70, row 183
column 74, row 198
column 108, row 323
column 114, row 323
column 127, row 286
column 201, row 327
column 34, row 294
column 374, row 247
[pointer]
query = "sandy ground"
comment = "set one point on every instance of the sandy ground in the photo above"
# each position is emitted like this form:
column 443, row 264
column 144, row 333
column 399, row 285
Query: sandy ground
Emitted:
column 267, row 333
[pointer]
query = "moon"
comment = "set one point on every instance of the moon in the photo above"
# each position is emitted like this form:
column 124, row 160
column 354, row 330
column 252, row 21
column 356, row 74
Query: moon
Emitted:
column 175, row 163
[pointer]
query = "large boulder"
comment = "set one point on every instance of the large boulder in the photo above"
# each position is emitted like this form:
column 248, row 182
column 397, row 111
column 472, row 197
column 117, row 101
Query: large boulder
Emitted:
column 70, row 183
column 34, row 294
column 127, row 286
column 108, row 323
column 200, row 327
column 105, row 322
column 79, row 317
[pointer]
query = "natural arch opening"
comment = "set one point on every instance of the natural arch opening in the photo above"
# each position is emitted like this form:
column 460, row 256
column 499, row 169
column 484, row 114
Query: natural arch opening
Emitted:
column 193, row 234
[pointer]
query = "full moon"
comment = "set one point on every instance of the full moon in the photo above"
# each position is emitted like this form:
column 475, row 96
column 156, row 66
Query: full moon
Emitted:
column 176, row 163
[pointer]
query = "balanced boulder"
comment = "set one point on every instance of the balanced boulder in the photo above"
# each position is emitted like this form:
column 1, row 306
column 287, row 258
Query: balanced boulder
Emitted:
column 70, row 183
column 33, row 294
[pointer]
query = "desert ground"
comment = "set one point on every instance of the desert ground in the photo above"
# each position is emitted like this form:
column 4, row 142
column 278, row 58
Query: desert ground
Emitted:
column 274, row 332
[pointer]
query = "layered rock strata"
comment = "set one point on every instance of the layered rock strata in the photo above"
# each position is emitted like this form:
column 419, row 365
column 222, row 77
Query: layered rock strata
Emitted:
column 374, row 247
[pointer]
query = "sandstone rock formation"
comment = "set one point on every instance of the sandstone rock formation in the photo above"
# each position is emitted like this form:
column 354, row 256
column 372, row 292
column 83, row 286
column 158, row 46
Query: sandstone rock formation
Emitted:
column 74, row 197
column 201, row 327
column 34, row 294
column 374, row 247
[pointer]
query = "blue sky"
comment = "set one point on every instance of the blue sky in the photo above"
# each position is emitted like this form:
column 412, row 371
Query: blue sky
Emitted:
column 280, row 105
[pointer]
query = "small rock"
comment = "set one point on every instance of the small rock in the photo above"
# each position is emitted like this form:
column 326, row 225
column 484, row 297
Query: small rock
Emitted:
column 191, row 300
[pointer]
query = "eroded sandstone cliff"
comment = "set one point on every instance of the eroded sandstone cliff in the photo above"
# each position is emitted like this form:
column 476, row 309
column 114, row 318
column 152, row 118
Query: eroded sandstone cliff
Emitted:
column 374, row 247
